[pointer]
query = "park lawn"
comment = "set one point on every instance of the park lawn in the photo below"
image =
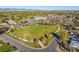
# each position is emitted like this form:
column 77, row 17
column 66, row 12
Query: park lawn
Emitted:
column 35, row 31
column 5, row 47
column 49, row 40
column 64, row 35
column 30, row 44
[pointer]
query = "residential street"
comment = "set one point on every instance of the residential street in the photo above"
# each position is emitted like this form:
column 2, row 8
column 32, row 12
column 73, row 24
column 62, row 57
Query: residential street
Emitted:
column 23, row 48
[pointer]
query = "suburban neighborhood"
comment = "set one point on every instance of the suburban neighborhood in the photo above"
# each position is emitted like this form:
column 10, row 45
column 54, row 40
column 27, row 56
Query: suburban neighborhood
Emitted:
column 39, row 31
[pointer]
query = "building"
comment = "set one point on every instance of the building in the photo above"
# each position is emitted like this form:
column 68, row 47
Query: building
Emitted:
column 74, row 40
column 11, row 22
column 26, row 22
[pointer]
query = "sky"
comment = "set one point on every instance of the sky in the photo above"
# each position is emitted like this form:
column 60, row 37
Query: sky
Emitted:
column 45, row 7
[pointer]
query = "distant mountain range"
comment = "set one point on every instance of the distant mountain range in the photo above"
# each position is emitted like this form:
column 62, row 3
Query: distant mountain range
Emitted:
column 14, row 9
column 25, row 9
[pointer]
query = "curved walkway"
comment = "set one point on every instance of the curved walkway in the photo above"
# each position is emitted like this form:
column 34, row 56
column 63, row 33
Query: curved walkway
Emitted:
column 58, row 28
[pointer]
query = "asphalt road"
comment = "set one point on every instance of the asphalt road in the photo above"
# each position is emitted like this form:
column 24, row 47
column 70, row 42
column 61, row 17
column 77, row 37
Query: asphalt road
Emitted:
column 23, row 48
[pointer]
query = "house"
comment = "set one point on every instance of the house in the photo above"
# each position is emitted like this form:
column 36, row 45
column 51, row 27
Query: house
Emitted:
column 11, row 22
column 40, row 17
column 26, row 22
column 74, row 40
column 7, row 25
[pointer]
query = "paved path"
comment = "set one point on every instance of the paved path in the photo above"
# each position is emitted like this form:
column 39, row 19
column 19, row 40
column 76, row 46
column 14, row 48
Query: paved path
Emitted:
column 21, row 47
column 58, row 29
column 41, row 44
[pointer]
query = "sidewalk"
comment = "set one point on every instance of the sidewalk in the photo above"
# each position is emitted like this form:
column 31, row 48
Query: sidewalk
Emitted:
column 41, row 44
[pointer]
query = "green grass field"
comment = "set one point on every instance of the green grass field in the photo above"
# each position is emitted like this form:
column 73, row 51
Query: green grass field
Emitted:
column 5, row 47
column 35, row 31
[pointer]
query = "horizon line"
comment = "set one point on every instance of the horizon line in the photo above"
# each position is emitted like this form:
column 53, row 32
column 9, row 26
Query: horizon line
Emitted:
column 43, row 7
